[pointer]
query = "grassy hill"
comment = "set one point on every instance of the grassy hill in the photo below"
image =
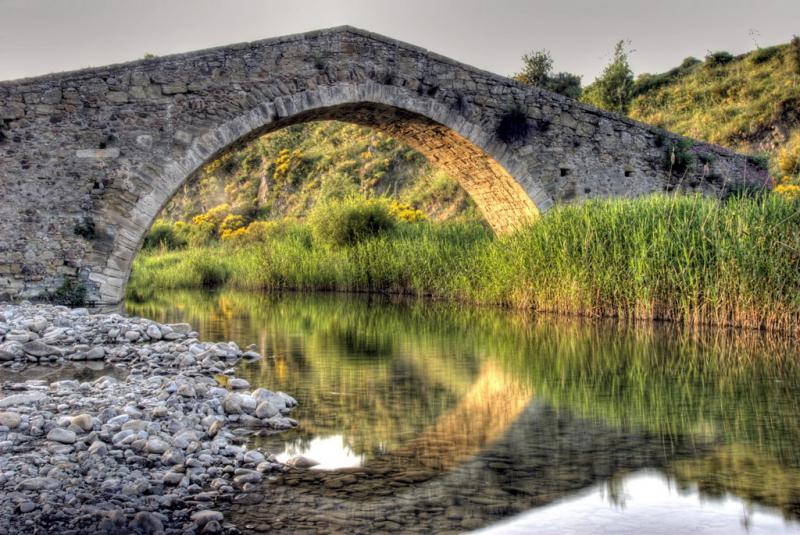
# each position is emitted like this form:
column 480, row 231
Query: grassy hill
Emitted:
column 749, row 103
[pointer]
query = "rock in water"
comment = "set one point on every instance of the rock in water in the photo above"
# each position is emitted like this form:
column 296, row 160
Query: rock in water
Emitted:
column 39, row 349
column 301, row 461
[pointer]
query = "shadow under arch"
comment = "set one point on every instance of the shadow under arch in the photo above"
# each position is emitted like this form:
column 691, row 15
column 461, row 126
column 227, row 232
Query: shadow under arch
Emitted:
column 499, row 183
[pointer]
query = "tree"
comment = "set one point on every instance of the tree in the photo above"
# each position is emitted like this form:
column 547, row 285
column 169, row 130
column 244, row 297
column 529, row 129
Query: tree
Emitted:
column 613, row 89
column 537, row 70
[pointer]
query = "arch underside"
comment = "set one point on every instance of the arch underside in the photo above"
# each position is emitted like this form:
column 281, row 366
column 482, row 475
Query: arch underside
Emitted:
column 500, row 197
column 502, row 201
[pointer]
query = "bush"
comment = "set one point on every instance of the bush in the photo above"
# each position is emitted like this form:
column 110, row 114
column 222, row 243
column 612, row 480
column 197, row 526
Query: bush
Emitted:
column 163, row 234
column 350, row 221
column 85, row 228
column 715, row 59
column 71, row 293
column 763, row 55
column 513, row 126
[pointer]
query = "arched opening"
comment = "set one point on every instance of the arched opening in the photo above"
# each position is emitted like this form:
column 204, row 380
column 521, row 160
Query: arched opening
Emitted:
column 499, row 184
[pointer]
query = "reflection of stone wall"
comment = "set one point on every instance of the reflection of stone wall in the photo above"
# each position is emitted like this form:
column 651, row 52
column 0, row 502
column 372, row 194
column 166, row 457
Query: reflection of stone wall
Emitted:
column 543, row 456
column 102, row 150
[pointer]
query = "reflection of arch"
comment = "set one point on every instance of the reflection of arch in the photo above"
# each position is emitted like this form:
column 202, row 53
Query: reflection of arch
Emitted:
column 494, row 178
column 493, row 402
column 544, row 455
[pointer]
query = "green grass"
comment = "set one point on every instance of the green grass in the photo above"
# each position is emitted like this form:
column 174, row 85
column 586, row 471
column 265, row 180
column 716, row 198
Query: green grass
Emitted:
column 688, row 259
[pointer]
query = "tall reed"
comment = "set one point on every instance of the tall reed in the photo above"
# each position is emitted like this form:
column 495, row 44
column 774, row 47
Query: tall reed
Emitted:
column 684, row 258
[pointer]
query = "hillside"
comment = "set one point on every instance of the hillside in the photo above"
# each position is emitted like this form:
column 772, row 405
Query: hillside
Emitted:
column 749, row 102
column 284, row 173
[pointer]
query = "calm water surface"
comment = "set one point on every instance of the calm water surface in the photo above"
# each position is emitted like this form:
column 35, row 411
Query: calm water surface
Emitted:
column 427, row 417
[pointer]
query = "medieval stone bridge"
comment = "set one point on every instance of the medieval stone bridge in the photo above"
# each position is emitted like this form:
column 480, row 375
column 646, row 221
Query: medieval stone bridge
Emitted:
column 89, row 158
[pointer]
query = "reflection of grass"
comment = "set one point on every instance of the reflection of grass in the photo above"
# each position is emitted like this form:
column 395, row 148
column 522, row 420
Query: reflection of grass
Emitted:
column 688, row 259
column 734, row 387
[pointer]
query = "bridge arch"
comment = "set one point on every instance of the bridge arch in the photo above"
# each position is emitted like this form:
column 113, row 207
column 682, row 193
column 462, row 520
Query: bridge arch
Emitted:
column 497, row 181
column 89, row 158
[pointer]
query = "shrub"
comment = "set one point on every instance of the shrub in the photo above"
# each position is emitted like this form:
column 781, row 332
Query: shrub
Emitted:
column 763, row 55
column 614, row 89
column 231, row 223
column 211, row 270
column 760, row 161
column 70, row 293
column 163, row 234
column 715, row 59
column 513, row 126
column 788, row 191
column 85, row 228
column 406, row 213
column 350, row 221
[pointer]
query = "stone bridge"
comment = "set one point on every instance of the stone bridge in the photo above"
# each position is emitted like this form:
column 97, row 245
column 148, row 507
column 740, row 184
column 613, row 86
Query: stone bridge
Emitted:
column 89, row 158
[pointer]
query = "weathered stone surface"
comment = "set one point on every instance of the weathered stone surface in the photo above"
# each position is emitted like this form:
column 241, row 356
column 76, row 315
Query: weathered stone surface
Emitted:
column 110, row 145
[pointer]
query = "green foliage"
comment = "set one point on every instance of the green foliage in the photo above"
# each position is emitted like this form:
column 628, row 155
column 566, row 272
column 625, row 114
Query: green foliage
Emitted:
column 537, row 70
column 760, row 161
column 164, row 234
column 685, row 258
column 719, row 58
column 284, row 173
column 614, row 89
column 537, row 66
column 762, row 55
column 513, row 126
column 70, row 293
column 85, row 228
column 350, row 221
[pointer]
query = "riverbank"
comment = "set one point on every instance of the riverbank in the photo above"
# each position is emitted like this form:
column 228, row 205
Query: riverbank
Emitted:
column 688, row 259
column 153, row 447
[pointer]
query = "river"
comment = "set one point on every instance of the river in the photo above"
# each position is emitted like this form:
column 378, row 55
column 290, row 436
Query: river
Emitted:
column 430, row 417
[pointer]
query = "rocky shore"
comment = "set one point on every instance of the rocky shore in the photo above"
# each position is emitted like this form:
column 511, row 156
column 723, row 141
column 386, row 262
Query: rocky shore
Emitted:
column 153, row 447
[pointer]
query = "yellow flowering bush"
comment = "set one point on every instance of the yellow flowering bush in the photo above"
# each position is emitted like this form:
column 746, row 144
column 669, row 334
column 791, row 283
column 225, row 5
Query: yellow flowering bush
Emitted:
column 406, row 213
column 231, row 223
column 788, row 191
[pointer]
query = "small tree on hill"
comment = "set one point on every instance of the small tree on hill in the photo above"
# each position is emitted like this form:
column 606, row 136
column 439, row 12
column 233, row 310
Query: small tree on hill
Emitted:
column 537, row 70
column 613, row 89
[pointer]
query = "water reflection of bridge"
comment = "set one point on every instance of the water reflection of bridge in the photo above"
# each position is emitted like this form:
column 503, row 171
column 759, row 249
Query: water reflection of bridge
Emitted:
column 497, row 453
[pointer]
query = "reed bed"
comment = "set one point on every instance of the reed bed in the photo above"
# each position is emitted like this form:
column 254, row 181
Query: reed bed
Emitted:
column 687, row 259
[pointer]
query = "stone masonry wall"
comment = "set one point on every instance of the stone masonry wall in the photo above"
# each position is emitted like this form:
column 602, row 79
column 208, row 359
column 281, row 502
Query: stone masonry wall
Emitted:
column 89, row 158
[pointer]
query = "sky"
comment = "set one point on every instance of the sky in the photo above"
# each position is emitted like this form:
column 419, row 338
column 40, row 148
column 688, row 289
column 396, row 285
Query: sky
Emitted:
column 42, row 36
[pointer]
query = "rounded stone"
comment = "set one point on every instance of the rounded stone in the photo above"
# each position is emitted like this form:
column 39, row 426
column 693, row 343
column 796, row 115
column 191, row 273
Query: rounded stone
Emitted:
column 64, row 436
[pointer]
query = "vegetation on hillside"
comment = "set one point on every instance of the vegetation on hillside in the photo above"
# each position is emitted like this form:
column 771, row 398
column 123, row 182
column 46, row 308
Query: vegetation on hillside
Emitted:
column 749, row 103
column 689, row 259
column 283, row 174
column 537, row 70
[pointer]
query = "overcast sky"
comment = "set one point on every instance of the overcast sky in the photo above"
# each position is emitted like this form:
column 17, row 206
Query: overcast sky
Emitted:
column 41, row 36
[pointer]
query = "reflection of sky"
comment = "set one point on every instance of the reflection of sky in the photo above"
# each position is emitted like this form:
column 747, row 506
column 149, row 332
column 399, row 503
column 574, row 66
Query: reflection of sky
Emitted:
column 330, row 452
column 647, row 503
